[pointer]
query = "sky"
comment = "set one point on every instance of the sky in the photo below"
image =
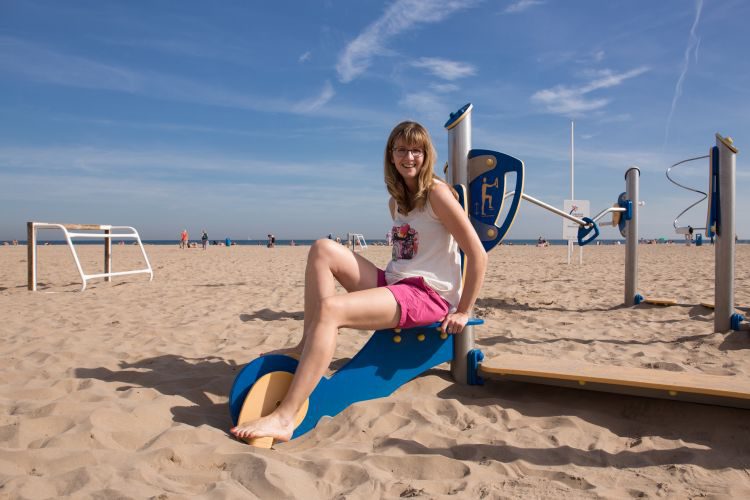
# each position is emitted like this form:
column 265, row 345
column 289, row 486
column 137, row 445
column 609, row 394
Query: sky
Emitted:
column 246, row 118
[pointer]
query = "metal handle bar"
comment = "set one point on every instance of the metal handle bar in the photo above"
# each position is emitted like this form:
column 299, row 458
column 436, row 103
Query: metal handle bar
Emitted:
column 608, row 210
column 676, row 220
column 552, row 209
column 561, row 213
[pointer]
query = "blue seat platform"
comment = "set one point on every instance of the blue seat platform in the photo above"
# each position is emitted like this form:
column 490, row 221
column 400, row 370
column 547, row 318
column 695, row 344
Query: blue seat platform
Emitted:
column 391, row 358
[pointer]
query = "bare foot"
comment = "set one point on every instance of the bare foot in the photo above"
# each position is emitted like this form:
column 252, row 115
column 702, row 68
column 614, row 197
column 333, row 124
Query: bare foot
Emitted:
column 293, row 352
column 273, row 425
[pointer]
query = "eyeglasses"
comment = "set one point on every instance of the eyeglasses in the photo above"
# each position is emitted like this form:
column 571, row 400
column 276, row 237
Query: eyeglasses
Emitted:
column 416, row 153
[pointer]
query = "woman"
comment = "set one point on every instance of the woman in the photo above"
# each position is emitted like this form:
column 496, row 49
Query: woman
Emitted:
column 421, row 284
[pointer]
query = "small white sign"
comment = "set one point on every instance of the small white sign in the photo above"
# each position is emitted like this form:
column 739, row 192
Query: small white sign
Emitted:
column 578, row 209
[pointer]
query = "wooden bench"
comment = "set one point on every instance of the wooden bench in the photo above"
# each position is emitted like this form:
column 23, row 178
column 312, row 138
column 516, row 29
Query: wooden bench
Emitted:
column 686, row 386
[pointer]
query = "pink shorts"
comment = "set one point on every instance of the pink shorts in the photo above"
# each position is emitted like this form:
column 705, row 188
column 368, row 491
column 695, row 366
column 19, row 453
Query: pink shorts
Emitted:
column 420, row 305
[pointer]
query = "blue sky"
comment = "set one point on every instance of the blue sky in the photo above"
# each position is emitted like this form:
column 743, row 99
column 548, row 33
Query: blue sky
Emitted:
column 246, row 118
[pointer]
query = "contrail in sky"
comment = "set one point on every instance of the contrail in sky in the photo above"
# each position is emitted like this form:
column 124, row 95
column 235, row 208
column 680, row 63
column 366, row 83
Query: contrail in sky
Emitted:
column 692, row 46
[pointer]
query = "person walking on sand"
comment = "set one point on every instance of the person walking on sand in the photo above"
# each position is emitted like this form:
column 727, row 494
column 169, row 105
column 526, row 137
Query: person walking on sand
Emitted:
column 421, row 284
column 184, row 239
column 204, row 239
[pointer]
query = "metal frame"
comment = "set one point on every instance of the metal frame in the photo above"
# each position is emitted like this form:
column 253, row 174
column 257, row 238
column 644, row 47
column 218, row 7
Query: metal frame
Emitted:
column 357, row 239
column 106, row 236
column 724, row 246
column 459, row 145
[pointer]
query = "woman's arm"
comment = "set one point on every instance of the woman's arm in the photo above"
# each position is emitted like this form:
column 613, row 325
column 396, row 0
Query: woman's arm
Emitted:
column 392, row 207
column 454, row 218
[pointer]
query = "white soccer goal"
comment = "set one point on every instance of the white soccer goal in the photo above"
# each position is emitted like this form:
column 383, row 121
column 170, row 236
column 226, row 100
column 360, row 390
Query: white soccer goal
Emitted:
column 357, row 240
column 103, row 232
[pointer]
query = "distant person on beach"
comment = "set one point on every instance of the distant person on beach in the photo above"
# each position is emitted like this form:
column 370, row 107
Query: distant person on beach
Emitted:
column 204, row 239
column 271, row 241
column 184, row 239
column 420, row 285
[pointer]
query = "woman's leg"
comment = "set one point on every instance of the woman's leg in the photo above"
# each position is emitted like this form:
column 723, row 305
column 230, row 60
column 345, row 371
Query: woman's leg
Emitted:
column 371, row 308
column 374, row 308
column 327, row 263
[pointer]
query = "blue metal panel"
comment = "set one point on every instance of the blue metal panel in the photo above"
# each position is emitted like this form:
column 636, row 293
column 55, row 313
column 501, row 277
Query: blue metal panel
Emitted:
column 457, row 116
column 714, row 215
column 623, row 202
column 487, row 172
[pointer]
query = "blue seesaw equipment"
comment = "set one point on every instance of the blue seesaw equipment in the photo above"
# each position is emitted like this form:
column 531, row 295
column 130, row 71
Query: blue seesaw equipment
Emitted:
column 388, row 360
column 484, row 180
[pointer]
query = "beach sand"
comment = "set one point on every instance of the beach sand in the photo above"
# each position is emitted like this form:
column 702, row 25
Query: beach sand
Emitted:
column 121, row 390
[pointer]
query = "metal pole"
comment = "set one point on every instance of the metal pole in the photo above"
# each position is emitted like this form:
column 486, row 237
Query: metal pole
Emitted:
column 725, row 231
column 459, row 144
column 31, row 255
column 107, row 255
column 572, row 160
column 632, row 181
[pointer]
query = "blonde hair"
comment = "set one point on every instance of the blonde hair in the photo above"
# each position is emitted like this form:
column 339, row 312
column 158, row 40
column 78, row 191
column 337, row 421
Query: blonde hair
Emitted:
column 412, row 134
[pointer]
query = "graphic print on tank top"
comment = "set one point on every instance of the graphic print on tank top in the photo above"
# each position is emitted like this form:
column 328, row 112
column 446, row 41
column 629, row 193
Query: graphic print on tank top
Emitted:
column 405, row 242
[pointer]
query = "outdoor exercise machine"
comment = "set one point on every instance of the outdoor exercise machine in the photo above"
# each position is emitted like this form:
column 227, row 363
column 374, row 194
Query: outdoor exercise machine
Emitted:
column 487, row 173
column 89, row 231
column 392, row 357
column 720, row 227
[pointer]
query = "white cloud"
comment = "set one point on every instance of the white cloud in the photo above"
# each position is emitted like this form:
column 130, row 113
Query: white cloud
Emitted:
column 598, row 56
column 522, row 5
column 573, row 101
column 305, row 57
column 444, row 88
column 567, row 101
column 425, row 106
column 46, row 65
column 400, row 16
column 315, row 103
column 445, row 69
column 692, row 46
column 120, row 163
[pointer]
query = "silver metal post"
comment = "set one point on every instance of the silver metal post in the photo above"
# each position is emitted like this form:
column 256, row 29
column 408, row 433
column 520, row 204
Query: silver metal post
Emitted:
column 632, row 182
column 31, row 255
column 459, row 144
column 725, row 234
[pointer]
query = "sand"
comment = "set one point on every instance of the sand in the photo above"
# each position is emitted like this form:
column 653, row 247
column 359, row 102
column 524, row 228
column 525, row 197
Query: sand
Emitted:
column 121, row 390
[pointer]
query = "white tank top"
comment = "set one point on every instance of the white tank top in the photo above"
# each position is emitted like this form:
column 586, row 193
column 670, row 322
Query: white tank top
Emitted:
column 423, row 247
